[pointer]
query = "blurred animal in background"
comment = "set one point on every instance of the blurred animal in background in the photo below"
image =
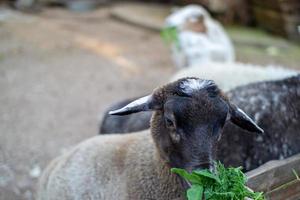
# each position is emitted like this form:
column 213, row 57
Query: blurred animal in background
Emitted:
column 231, row 75
column 274, row 106
column 196, row 38
column 183, row 134
column 227, row 76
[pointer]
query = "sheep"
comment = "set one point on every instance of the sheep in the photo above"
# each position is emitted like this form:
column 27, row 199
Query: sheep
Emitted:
column 227, row 76
column 275, row 106
column 187, row 123
column 200, row 38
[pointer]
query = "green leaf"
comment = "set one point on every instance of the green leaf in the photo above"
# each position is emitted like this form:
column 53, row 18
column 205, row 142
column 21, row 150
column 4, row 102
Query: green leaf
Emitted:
column 170, row 35
column 195, row 192
column 207, row 174
column 189, row 177
column 259, row 196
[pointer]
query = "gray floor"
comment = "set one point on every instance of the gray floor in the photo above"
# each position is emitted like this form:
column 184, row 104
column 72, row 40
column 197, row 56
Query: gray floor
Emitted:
column 58, row 72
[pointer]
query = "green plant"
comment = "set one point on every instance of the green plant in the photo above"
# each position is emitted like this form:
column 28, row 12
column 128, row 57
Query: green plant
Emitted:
column 170, row 35
column 224, row 184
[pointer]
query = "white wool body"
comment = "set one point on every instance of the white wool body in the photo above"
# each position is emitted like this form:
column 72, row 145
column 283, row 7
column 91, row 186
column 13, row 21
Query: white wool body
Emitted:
column 195, row 47
column 230, row 75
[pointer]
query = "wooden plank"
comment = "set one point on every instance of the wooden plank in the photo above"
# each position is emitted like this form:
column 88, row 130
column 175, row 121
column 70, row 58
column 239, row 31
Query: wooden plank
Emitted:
column 273, row 174
column 290, row 191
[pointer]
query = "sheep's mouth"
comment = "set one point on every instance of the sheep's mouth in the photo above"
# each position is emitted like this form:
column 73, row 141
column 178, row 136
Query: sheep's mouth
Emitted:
column 202, row 166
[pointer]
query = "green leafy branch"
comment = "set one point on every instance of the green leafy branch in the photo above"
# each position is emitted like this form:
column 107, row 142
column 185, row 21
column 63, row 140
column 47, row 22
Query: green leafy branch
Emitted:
column 225, row 184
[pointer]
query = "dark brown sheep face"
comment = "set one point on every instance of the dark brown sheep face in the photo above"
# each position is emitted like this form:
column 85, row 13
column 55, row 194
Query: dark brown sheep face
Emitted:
column 188, row 122
column 194, row 125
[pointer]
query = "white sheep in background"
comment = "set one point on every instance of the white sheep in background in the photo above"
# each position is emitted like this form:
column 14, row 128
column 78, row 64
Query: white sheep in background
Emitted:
column 137, row 166
column 231, row 75
column 201, row 39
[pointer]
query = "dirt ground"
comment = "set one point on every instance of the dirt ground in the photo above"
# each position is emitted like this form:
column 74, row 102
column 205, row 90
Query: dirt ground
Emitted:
column 59, row 70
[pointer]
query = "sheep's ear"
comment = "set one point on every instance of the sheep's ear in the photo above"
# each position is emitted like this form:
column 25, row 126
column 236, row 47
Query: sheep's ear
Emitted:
column 241, row 119
column 142, row 104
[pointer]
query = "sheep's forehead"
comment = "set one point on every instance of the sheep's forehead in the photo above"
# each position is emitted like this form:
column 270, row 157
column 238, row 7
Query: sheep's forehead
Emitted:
column 191, row 85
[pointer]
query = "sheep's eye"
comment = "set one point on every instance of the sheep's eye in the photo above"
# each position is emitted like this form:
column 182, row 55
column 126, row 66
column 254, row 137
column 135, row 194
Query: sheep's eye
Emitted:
column 169, row 123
